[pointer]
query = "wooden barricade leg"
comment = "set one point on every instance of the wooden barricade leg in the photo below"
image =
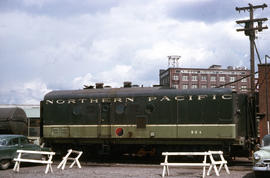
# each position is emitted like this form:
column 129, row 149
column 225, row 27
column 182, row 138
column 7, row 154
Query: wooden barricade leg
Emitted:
column 213, row 165
column 224, row 163
column 76, row 160
column 78, row 163
column 209, row 170
column 47, row 168
column 227, row 169
column 165, row 167
column 49, row 165
column 51, row 168
column 221, row 162
column 17, row 164
column 64, row 161
column 204, row 162
column 220, row 167
column 72, row 163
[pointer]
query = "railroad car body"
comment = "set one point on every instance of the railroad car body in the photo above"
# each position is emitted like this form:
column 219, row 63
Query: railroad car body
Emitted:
column 13, row 121
column 127, row 119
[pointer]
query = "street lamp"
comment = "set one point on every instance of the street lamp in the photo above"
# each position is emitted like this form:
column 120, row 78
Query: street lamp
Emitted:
column 266, row 92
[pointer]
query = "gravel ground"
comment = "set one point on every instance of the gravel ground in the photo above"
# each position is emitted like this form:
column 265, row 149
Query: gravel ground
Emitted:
column 113, row 170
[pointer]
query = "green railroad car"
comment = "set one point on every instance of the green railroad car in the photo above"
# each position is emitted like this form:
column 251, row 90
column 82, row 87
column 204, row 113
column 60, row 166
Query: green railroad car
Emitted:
column 152, row 118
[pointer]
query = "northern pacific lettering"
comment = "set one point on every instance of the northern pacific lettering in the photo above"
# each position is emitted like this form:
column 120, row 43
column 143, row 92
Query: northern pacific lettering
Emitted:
column 132, row 99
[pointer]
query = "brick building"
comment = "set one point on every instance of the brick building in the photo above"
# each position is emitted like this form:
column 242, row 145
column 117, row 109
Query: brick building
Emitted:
column 214, row 76
column 264, row 98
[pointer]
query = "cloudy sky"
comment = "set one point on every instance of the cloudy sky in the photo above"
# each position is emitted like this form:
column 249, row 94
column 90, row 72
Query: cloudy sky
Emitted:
column 64, row 44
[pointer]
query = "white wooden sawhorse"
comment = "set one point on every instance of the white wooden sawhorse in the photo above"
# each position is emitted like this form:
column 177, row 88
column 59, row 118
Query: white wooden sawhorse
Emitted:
column 166, row 164
column 75, row 160
column 19, row 159
column 222, row 162
column 204, row 164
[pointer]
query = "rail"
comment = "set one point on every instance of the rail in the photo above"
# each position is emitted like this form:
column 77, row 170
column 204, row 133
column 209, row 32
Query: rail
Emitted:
column 222, row 162
column 19, row 159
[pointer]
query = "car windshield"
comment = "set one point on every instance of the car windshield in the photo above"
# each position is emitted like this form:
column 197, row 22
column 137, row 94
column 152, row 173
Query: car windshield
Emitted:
column 266, row 140
column 3, row 142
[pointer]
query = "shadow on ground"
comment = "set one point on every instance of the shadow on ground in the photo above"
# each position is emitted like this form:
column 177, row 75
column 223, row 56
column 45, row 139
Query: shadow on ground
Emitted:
column 249, row 175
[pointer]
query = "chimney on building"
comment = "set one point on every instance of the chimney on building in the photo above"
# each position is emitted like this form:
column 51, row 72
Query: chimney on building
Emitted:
column 127, row 84
column 214, row 66
column 99, row 85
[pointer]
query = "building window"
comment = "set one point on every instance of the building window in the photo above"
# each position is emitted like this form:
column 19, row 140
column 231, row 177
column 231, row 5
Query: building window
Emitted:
column 232, row 87
column 185, row 86
column 222, row 79
column 204, row 77
column 244, row 80
column 194, row 78
column 175, row 77
column 213, row 78
column 194, row 86
column 175, row 86
column 164, row 81
column 232, row 79
column 185, row 77
column 243, row 88
column 213, row 86
column 203, row 86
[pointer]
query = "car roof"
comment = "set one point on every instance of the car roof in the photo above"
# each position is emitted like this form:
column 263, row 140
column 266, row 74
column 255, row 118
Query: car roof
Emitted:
column 266, row 137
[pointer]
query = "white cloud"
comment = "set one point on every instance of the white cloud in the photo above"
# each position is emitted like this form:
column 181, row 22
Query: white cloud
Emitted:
column 79, row 82
column 38, row 3
column 113, row 77
column 130, row 41
column 117, row 75
column 31, row 92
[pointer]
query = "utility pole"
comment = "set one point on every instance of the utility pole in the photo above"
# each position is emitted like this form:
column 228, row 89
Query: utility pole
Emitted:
column 250, row 31
column 266, row 93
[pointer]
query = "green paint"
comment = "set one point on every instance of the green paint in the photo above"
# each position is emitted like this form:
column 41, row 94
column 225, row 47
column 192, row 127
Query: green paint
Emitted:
column 226, row 131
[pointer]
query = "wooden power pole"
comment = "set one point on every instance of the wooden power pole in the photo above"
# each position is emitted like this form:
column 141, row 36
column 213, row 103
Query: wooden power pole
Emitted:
column 250, row 31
